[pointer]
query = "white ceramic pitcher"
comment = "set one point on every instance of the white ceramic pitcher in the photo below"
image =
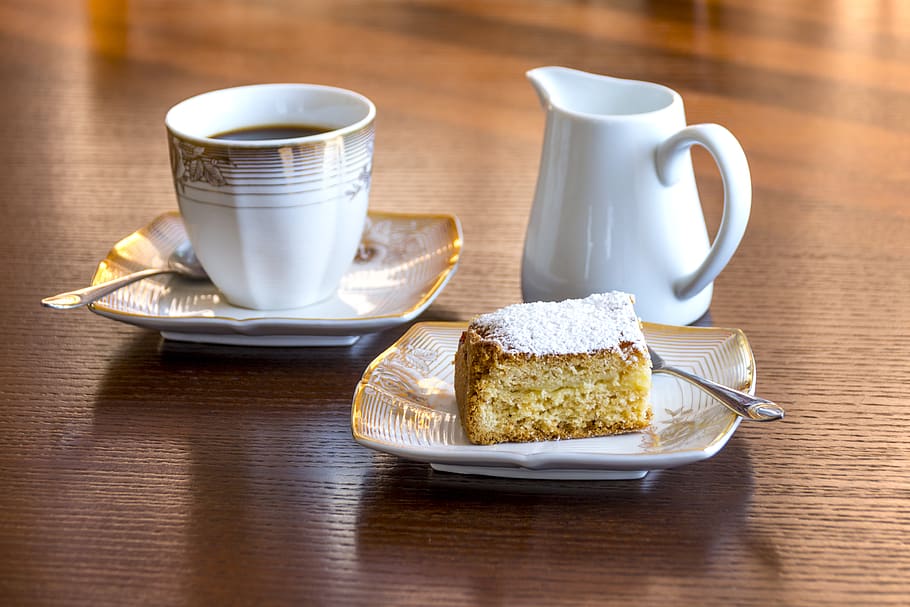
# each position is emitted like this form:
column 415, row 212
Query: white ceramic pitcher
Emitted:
column 616, row 207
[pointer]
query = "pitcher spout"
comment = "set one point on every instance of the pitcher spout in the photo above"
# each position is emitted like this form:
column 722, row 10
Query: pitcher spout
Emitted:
column 543, row 81
column 550, row 83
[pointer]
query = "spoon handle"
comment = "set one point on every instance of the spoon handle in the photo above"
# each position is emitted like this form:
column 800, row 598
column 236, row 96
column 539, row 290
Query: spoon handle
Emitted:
column 81, row 297
column 744, row 405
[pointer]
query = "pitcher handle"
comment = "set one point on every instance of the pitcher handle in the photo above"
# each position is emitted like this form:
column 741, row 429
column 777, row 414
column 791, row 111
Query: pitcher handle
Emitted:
column 672, row 162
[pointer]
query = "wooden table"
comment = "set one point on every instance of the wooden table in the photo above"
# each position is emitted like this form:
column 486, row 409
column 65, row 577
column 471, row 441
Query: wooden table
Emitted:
column 138, row 471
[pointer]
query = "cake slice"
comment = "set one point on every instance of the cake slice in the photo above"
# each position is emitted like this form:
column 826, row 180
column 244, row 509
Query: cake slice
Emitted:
column 554, row 370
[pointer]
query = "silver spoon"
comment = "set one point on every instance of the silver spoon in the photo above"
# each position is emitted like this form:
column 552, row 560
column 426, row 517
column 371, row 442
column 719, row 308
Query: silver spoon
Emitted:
column 182, row 261
column 744, row 405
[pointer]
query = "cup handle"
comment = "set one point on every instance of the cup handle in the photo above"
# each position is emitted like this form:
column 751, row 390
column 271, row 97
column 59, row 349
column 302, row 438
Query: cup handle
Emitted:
column 672, row 162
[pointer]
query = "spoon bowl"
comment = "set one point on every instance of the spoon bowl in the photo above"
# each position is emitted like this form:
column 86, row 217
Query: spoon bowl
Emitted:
column 182, row 261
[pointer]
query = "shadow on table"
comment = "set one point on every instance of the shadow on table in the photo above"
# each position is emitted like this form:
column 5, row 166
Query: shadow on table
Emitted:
column 230, row 458
column 147, row 368
column 670, row 527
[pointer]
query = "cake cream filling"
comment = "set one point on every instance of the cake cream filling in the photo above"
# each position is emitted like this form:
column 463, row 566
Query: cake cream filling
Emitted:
column 548, row 405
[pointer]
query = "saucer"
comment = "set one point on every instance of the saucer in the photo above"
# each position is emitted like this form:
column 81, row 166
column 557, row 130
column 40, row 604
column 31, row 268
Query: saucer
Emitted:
column 404, row 262
column 405, row 405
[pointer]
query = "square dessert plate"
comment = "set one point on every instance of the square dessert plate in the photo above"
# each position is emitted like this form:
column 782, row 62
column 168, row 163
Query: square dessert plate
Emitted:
column 405, row 405
column 404, row 262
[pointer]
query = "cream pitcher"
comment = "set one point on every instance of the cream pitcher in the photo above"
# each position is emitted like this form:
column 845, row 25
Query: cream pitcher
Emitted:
column 616, row 207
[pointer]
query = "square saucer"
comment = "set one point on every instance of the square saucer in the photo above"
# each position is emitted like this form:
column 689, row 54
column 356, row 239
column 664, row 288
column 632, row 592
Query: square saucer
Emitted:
column 404, row 262
column 405, row 405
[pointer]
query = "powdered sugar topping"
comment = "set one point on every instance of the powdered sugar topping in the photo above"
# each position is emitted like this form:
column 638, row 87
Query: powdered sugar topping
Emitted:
column 604, row 321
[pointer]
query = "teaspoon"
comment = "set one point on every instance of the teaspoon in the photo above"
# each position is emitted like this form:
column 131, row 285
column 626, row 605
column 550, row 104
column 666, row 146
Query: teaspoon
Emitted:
column 744, row 405
column 182, row 262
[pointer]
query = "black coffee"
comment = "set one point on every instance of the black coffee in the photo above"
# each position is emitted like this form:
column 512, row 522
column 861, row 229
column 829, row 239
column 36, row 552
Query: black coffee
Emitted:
column 273, row 131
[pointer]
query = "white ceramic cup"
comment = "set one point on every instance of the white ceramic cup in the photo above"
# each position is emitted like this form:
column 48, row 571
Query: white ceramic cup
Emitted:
column 275, row 222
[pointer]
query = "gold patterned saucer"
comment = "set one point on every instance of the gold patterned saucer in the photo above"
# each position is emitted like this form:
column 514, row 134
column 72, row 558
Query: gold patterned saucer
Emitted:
column 405, row 261
column 405, row 405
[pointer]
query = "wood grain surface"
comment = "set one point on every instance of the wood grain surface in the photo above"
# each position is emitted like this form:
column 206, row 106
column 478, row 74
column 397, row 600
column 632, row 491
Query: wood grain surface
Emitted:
column 139, row 471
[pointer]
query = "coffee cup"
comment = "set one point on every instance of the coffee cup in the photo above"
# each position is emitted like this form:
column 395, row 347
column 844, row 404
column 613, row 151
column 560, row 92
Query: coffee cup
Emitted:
column 273, row 183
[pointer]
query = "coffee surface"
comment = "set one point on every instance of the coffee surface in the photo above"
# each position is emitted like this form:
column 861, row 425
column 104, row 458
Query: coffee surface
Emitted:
column 272, row 131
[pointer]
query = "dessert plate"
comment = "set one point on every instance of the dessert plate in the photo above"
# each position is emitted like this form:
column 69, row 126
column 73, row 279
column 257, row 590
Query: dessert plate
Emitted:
column 405, row 405
column 403, row 263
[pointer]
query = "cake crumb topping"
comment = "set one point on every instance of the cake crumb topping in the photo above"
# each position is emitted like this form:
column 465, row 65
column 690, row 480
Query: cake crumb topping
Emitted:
column 603, row 321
